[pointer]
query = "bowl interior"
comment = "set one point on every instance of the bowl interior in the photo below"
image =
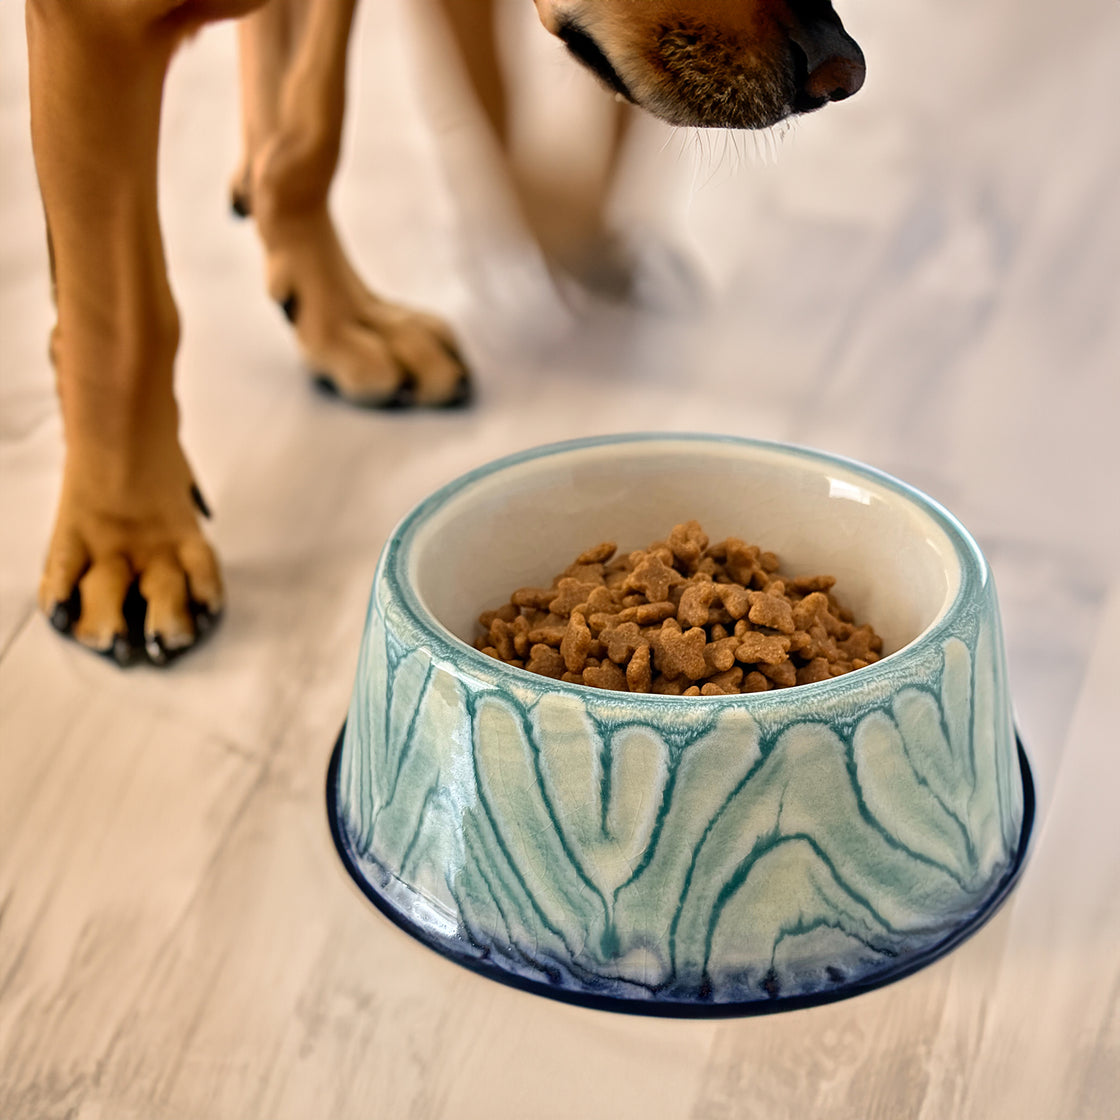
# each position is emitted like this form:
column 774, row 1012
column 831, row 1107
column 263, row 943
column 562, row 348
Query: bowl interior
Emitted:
column 895, row 564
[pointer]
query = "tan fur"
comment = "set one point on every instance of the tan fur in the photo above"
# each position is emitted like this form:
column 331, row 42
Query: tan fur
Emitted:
column 128, row 508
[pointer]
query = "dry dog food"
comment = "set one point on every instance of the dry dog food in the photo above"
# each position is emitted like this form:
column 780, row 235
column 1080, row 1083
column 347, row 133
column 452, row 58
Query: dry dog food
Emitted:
column 682, row 618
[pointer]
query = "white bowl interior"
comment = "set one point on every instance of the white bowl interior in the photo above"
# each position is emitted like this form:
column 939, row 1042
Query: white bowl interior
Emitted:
column 895, row 565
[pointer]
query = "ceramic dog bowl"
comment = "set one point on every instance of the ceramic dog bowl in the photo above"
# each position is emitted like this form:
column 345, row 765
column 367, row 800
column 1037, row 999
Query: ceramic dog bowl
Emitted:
column 705, row 855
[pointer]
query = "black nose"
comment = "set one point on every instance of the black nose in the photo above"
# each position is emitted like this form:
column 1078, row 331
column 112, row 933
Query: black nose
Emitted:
column 828, row 65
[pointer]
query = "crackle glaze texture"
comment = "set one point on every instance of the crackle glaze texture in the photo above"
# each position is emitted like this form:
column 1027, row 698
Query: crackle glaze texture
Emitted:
column 656, row 849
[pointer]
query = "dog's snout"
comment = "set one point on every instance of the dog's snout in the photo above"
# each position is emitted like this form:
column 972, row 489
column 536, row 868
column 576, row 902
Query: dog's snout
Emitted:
column 829, row 66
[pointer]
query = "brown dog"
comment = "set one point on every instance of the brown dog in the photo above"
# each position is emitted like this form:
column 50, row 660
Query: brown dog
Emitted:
column 127, row 528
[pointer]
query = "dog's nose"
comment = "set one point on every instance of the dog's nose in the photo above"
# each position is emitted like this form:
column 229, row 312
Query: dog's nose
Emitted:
column 829, row 65
column 836, row 78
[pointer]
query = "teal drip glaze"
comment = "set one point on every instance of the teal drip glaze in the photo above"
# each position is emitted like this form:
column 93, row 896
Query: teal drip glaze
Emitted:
column 887, row 837
column 609, row 943
column 763, row 846
column 658, row 826
column 429, row 795
column 472, row 708
column 476, row 867
column 970, row 848
column 678, row 740
column 472, row 835
column 972, row 668
column 565, row 845
column 606, row 754
column 801, row 927
column 675, row 758
column 883, row 950
column 409, row 735
column 386, row 710
column 765, row 749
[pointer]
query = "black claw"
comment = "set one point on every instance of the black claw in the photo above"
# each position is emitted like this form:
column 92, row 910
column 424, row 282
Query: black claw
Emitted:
column 404, row 396
column 290, row 307
column 200, row 501
column 204, row 620
column 239, row 204
column 64, row 614
column 463, row 394
column 122, row 651
column 325, row 384
column 155, row 649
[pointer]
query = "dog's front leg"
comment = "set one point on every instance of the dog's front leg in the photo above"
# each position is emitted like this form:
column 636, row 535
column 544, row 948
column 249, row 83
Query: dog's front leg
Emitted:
column 127, row 510
column 293, row 57
column 565, row 206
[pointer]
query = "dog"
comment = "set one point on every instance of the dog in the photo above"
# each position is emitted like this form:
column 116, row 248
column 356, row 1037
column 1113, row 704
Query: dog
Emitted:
column 129, row 571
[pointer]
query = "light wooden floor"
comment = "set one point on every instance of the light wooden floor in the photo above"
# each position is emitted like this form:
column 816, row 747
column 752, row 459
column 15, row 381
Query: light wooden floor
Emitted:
column 926, row 279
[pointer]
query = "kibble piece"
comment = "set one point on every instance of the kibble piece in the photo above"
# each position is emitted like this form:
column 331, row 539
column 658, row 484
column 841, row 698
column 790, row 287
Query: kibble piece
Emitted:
column 863, row 643
column 601, row 601
column 576, row 644
column 710, row 688
column 816, row 670
column 805, row 584
column 811, row 609
column 507, row 612
column 538, row 597
column 606, row 675
column 639, row 673
column 546, row 660
column 769, row 609
column 783, row 674
column 768, row 649
column 548, row 635
column 687, row 543
column 719, row 656
column 570, row 594
column 695, row 601
column 731, row 680
column 622, row 641
column 501, row 638
column 644, row 614
column 600, row 554
column 653, row 579
column 678, row 652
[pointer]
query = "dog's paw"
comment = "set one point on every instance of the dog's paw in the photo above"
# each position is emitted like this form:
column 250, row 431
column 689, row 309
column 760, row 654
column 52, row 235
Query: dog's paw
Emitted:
column 386, row 357
column 370, row 352
column 135, row 584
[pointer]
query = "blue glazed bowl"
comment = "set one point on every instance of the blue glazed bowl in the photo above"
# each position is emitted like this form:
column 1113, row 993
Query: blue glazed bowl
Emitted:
column 680, row 855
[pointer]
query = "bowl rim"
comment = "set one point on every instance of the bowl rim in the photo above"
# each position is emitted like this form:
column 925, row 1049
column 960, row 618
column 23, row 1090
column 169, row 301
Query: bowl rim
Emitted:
column 392, row 570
